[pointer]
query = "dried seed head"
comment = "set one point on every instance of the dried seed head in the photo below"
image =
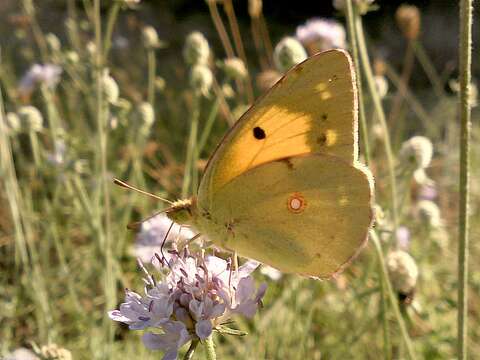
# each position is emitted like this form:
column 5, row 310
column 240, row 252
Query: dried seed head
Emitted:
column 235, row 68
column 201, row 79
column 288, row 52
column 31, row 118
column 266, row 79
column 403, row 271
column 196, row 50
column 150, row 37
column 408, row 20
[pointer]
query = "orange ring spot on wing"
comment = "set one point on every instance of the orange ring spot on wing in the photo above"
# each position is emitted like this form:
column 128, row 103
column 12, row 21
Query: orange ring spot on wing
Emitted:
column 296, row 203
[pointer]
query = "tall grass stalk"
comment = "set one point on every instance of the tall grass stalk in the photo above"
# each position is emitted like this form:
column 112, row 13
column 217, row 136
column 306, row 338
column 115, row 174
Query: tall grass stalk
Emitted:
column 109, row 284
column 356, row 62
column 190, row 177
column 152, row 68
column 465, row 61
column 391, row 295
column 377, row 102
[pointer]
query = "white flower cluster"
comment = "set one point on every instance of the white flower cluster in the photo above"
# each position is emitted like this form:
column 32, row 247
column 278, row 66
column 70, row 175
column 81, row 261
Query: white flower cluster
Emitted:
column 48, row 74
column 198, row 295
column 322, row 34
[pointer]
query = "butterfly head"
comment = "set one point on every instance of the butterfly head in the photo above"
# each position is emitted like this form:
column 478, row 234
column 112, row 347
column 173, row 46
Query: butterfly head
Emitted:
column 183, row 211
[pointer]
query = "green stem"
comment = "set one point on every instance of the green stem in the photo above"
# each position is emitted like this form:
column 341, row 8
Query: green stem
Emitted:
column 152, row 64
column 429, row 69
column 109, row 284
column 381, row 116
column 190, row 161
column 210, row 348
column 35, row 148
column 208, row 126
column 465, row 61
column 191, row 350
column 391, row 295
column 356, row 62
column 112, row 18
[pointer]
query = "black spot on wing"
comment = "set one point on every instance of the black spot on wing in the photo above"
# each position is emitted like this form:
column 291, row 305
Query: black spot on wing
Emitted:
column 259, row 133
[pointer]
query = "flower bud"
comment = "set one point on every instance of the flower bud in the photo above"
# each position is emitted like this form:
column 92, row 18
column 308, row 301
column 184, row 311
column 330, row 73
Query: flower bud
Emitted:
column 150, row 37
column 382, row 85
column 110, row 88
column 31, row 118
column 235, row 68
column 160, row 83
column 196, row 50
column 255, row 8
column 53, row 42
column 429, row 213
column 408, row 20
column 201, row 79
column 146, row 113
column 403, row 271
column 417, row 151
column 288, row 52
column 72, row 57
column 13, row 123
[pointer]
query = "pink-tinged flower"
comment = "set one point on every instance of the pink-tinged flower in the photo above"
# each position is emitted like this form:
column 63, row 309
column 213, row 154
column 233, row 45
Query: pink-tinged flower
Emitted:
column 197, row 295
column 48, row 74
column 403, row 237
column 174, row 337
column 322, row 34
column 427, row 192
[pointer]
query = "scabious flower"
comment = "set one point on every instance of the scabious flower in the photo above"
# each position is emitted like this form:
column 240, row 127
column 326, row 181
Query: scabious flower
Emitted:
column 235, row 68
column 288, row 52
column 403, row 271
column 150, row 37
column 416, row 153
column 153, row 233
column 54, row 352
column 429, row 213
column 110, row 88
column 21, row 354
column 197, row 295
column 31, row 118
column 201, row 79
column 321, row 34
column 196, row 50
column 48, row 74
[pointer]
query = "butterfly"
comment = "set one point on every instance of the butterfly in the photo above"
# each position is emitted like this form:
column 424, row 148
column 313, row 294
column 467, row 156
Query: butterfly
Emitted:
column 284, row 186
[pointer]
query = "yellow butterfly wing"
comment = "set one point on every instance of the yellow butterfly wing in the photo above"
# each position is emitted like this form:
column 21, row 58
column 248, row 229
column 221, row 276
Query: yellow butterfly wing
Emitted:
column 307, row 214
column 312, row 109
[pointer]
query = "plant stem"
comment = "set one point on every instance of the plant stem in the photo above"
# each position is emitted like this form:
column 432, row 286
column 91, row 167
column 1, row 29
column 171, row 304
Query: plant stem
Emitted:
column 356, row 62
column 391, row 295
column 429, row 69
column 208, row 126
column 465, row 61
column 191, row 350
column 112, row 18
column 190, row 161
column 210, row 348
column 152, row 64
column 381, row 116
column 109, row 284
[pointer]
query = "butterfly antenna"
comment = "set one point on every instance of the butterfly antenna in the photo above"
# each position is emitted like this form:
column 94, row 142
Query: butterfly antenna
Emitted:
column 130, row 187
column 163, row 243
column 136, row 224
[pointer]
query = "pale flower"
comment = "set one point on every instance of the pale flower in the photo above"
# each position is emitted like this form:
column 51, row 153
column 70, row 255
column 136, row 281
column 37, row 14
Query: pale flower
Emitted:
column 197, row 295
column 322, row 34
column 403, row 271
column 48, row 74
column 288, row 52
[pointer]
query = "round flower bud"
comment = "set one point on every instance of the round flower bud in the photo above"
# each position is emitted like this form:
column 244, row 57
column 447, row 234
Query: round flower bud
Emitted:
column 150, row 37
column 160, row 83
column 72, row 57
column 417, row 151
column 196, row 50
column 228, row 91
column 91, row 48
column 147, row 114
column 255, row 8
column 31, row 118
column 473, row 96
column 382, row 85
column 235, row 68
column 287, row 53
column 201, row 79
column 266, row 79
column 403, row 271
column 80, row 166
column 53, row 42
column 13, row 123
column 429, row 213
column 408, row 20
column 110, row 88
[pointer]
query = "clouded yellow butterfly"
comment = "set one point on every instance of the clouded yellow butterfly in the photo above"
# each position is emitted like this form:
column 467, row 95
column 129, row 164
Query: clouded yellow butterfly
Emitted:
column 284, row 186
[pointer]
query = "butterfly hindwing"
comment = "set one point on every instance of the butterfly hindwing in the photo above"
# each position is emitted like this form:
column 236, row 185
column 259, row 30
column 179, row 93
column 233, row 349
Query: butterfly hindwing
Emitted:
column 306, row 214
